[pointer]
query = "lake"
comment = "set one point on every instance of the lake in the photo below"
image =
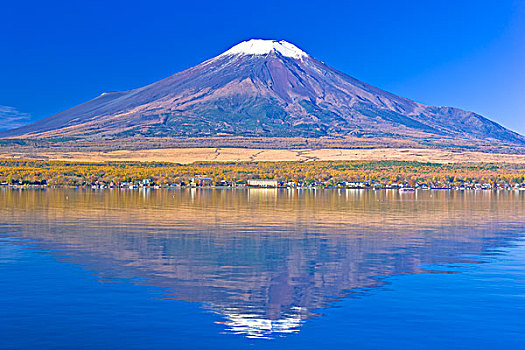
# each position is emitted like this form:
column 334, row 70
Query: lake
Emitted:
column 261, row 269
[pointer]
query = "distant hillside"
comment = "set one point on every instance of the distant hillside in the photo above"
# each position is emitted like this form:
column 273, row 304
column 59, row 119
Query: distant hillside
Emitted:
column 264, row 88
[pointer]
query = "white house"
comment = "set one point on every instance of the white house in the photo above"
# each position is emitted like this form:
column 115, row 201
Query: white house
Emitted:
column 262, row 183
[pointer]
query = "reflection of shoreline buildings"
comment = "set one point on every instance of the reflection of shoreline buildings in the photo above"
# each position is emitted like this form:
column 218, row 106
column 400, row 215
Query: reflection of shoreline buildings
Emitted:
column 266, row 260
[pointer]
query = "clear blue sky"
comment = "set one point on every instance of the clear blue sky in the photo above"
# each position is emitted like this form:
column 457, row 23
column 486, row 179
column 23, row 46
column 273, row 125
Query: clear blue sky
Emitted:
column 467, row 54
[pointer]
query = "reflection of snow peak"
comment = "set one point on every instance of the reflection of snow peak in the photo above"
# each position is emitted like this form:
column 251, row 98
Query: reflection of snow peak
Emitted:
column 256, row 326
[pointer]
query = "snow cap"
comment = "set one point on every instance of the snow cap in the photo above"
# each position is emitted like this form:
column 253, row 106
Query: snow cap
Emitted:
column 264, row 47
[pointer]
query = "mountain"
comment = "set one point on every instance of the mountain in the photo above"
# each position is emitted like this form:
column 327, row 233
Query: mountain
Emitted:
column 263, row 88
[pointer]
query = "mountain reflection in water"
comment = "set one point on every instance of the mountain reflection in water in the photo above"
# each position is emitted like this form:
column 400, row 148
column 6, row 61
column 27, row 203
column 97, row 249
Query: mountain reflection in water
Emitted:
column 264, row 259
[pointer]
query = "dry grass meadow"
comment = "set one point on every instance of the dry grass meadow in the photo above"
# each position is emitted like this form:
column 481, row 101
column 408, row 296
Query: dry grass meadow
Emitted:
column 190, row 155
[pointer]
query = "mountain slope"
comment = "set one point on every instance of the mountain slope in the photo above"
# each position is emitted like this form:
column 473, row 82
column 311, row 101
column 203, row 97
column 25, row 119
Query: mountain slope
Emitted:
column 263, row 88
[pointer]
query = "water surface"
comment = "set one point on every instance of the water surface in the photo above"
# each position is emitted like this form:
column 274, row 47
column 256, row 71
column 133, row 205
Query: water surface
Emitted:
column 264, row 268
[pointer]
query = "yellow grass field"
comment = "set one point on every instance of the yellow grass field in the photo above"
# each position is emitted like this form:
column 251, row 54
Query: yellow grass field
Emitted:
column 190, row 155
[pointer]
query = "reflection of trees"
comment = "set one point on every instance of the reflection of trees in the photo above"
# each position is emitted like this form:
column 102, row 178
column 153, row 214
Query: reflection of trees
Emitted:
column 264, row 259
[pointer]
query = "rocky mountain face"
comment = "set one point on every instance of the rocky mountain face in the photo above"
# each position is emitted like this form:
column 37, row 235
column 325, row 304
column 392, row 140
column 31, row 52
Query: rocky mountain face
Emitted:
column 263, row 88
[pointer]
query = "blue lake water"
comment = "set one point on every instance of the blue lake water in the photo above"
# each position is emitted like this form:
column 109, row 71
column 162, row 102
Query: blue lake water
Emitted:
column 261, row 269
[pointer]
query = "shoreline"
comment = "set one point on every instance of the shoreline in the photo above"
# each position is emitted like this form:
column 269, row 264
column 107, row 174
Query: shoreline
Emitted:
column 24, row 173
column 395, row 188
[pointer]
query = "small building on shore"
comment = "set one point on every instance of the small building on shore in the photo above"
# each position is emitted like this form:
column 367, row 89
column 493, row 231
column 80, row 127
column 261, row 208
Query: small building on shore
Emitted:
column 262, row 183
column 200, row 180
column 357, row 184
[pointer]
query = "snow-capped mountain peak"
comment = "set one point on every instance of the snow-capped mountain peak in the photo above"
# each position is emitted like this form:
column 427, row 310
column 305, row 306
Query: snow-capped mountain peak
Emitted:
column 265, row 88
column 264, row 47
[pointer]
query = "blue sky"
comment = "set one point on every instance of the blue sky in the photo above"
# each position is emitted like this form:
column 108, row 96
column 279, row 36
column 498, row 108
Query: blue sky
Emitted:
column 467, row 54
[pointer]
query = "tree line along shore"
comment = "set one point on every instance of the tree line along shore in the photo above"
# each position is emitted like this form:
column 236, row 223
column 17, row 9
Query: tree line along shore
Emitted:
column 319, row 174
